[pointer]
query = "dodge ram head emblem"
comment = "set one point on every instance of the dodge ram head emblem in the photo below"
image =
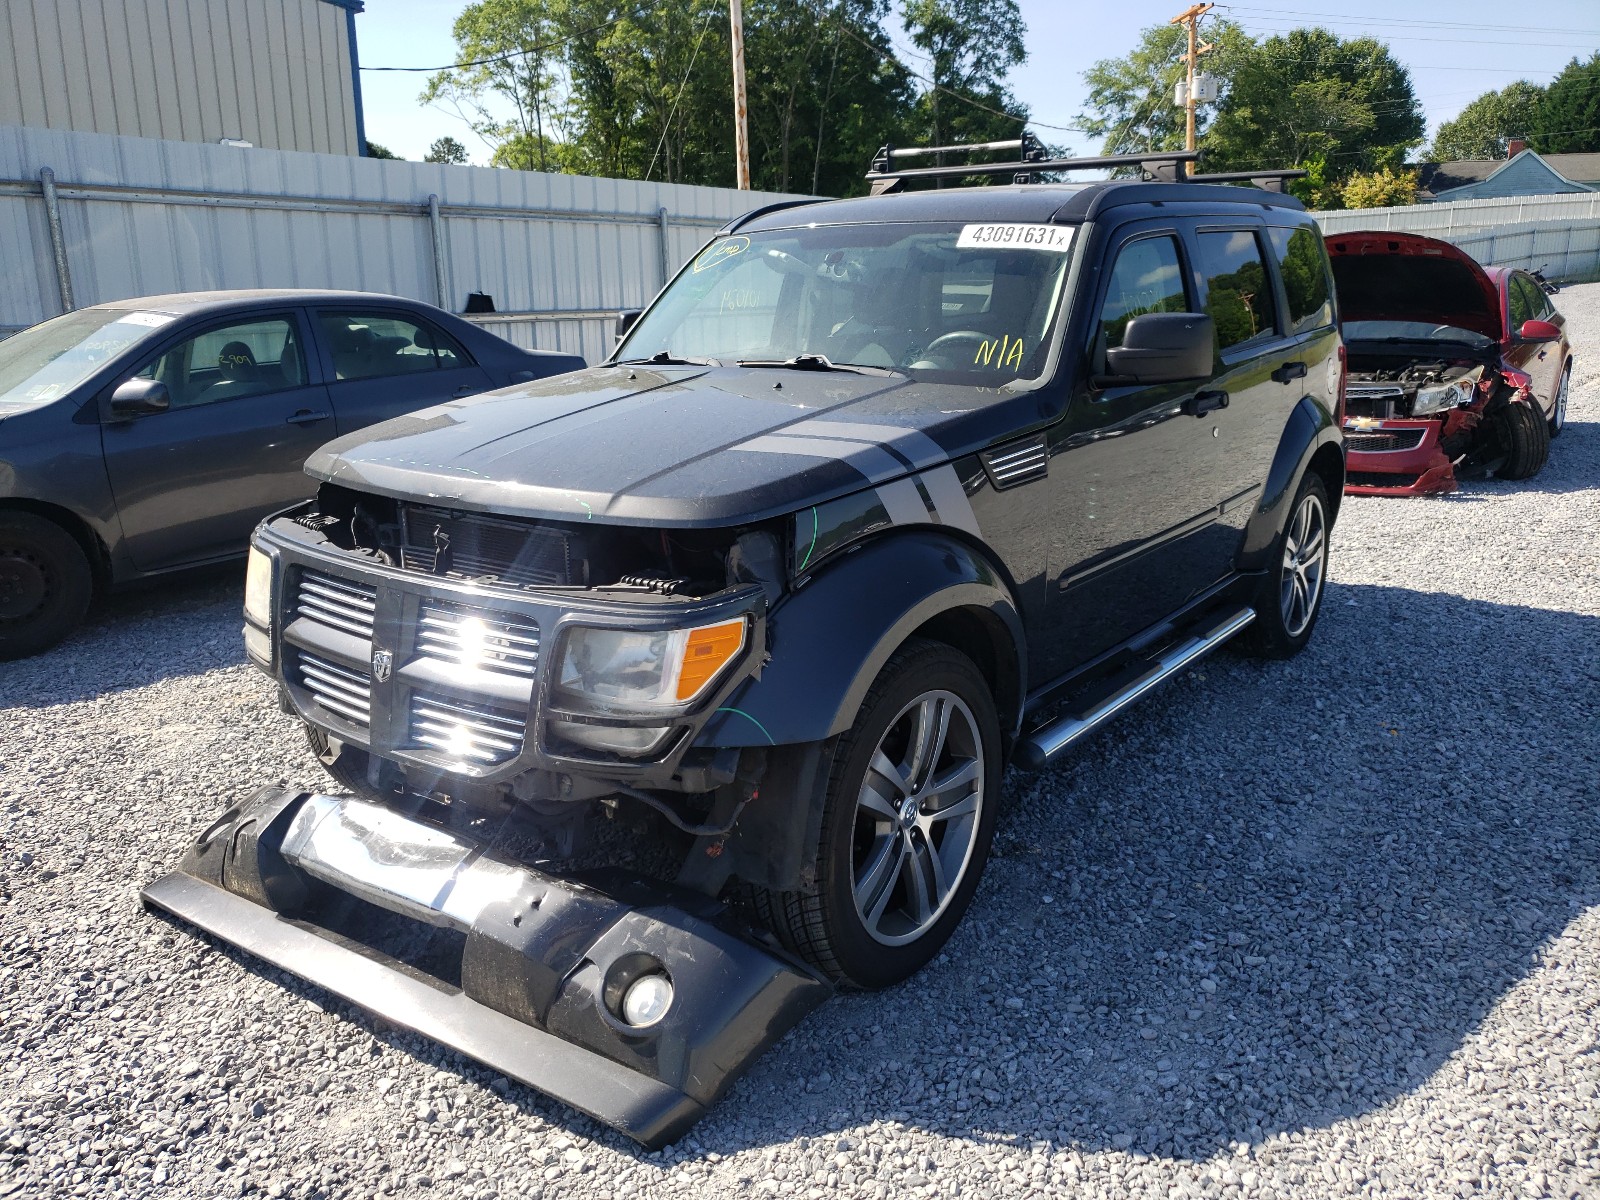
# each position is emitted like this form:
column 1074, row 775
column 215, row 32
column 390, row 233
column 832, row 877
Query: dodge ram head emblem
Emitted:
column 382, row 664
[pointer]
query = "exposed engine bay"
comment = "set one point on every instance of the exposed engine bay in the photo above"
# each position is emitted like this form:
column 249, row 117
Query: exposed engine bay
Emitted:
column 521, row 553
column 1387, row 389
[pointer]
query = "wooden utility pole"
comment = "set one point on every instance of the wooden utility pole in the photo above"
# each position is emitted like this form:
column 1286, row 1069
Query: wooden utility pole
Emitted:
column 1190, row 18
column 741, row 132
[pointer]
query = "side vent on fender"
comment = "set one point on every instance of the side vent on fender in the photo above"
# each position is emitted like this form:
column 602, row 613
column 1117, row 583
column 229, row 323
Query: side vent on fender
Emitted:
column 1017, row 463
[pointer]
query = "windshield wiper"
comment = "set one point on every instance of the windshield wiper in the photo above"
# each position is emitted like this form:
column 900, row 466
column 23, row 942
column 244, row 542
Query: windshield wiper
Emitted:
column 815, row 362
column 666, row 358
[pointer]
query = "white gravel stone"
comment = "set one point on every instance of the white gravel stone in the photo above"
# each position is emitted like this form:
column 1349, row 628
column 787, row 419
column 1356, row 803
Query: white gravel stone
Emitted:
column 1399, row 827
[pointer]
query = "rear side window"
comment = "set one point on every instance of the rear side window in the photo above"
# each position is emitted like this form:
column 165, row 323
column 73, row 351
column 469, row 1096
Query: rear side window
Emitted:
column 372, row 345
column 1527, row 300
column 1147, row 278
column 1238, row 289
column 1303, row 263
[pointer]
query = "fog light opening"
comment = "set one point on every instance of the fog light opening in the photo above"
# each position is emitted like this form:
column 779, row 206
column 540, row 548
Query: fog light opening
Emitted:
column 646, row 1000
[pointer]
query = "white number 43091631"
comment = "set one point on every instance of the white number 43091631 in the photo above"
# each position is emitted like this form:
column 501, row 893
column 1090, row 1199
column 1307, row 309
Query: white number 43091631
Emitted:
column 1016, row 236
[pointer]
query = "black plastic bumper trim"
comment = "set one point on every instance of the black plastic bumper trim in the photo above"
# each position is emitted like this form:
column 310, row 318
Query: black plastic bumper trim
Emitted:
column 645, row 1109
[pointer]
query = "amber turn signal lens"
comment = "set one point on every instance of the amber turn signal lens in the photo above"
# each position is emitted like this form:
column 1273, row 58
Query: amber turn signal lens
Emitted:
column 707, row 651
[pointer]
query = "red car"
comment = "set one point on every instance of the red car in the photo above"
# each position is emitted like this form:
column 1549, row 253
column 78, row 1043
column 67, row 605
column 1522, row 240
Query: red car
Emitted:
column 1455, row 369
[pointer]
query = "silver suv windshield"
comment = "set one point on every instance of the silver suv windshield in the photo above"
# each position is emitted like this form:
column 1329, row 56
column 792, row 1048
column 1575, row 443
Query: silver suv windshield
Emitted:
column 43, row 363
column 970, row 303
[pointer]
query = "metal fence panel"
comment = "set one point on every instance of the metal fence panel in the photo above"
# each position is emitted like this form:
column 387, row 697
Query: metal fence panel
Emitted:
column 560, row 254
column 1559, row 234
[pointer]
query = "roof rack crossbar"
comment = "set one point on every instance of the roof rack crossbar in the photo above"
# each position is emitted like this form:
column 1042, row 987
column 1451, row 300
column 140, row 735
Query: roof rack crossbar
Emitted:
column 1159, row 165
column 1267, row 181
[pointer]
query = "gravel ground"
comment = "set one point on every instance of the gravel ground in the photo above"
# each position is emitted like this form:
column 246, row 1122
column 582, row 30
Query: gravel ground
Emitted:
column 1321, row 929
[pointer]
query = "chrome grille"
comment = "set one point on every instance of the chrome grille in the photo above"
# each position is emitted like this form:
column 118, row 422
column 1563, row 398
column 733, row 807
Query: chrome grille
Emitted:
column 466, row 733
column 467, row 637
column 1017, row 463
column 1384, row 441
column 342, row 691
column 1374, row 391
column 337, row 602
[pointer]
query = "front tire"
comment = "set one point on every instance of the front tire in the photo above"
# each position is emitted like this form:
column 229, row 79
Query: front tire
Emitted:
column 46, row 584
column 1290, row 597
column 908, row 815
column 1523, row 435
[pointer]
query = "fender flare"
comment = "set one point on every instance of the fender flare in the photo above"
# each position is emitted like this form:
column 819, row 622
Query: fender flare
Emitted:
column 830, row 639
column 1309, row 432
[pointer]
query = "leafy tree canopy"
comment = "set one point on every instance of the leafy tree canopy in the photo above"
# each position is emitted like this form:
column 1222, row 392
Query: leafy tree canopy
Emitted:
column 376, row 151
column 1568, row 119
column 446, row 150
column 605, row 88
column 1484, row 128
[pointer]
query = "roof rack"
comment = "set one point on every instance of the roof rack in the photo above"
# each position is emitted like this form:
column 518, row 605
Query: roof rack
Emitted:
column 1267, row 181
column 1162, row 166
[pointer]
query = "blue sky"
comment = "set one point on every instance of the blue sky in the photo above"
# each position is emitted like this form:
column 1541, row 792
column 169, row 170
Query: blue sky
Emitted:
column 1455, row 50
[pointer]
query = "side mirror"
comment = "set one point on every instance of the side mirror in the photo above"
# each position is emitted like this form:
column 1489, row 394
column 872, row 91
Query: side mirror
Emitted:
column 1539, row 331
column 1162, row 348
column 139, row 398
column 626, row 320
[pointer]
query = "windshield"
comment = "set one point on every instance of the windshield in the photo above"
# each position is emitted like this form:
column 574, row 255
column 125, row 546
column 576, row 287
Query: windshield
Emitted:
column 1413, row 331
column 51, row 358
column 958, row 303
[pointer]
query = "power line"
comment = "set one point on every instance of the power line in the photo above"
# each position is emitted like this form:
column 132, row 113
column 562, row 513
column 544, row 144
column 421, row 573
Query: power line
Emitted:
column 510, row 54
column 890, row 55
column 673, row 112
column 1407, row 21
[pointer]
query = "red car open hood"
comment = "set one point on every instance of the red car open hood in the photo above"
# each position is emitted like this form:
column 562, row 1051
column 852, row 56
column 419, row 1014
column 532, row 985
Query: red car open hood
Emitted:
column 1384, row 276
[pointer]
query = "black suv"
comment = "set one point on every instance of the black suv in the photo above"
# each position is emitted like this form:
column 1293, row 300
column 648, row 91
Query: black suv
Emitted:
column 682, row 688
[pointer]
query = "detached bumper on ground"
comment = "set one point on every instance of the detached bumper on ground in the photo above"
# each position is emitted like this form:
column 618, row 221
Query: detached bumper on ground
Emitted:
column 539, row 967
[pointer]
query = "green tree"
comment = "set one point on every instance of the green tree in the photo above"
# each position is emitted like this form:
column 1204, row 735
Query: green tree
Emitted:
column 1383, row 188
column 971, row 46
column 514, row 48
column 1130, row 98
column 446, row 150
column 1568, row 122
column 376, row 151
column 1309, row 96
column 1483, row 128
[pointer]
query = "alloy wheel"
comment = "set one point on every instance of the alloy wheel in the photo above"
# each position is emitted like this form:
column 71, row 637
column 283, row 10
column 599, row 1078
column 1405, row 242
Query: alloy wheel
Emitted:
column 917, row 818
column 1305, row 561
column 1559, row 421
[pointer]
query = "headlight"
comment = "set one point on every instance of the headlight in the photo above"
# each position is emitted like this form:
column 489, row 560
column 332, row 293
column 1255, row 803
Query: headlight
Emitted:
column 258, row 589
column 1446, row 395
column 633, row 669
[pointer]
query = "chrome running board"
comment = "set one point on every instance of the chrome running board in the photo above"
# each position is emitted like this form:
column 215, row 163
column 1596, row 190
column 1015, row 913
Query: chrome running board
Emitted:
column 1043, row 746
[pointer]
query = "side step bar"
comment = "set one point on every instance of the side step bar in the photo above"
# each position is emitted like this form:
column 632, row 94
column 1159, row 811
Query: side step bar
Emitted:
column 1042, row 747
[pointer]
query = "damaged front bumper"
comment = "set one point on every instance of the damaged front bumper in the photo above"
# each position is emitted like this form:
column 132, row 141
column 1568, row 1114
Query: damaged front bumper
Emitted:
column 1402, row 456
column 538, row 967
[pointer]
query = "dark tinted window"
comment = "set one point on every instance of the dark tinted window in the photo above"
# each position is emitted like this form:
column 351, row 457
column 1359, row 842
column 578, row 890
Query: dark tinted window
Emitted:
column 370, row 345
column 1303, row 264
column 1238, row 288
column 251, row 358
column 1147, row 278
column 1526, row 300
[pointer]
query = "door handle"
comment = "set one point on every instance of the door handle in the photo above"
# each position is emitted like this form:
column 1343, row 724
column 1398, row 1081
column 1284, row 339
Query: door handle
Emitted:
column 306, row 417
column 466, row 389
column 1289, row 370
column 1199, row 404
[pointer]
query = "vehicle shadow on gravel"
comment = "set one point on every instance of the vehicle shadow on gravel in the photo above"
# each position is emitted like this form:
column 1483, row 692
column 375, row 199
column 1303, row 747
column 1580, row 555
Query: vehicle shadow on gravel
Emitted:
column 1276, row 896
column 186, row 625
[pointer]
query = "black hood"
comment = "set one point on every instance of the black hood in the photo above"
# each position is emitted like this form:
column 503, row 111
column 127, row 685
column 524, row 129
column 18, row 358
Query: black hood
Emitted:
column 681, row 446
